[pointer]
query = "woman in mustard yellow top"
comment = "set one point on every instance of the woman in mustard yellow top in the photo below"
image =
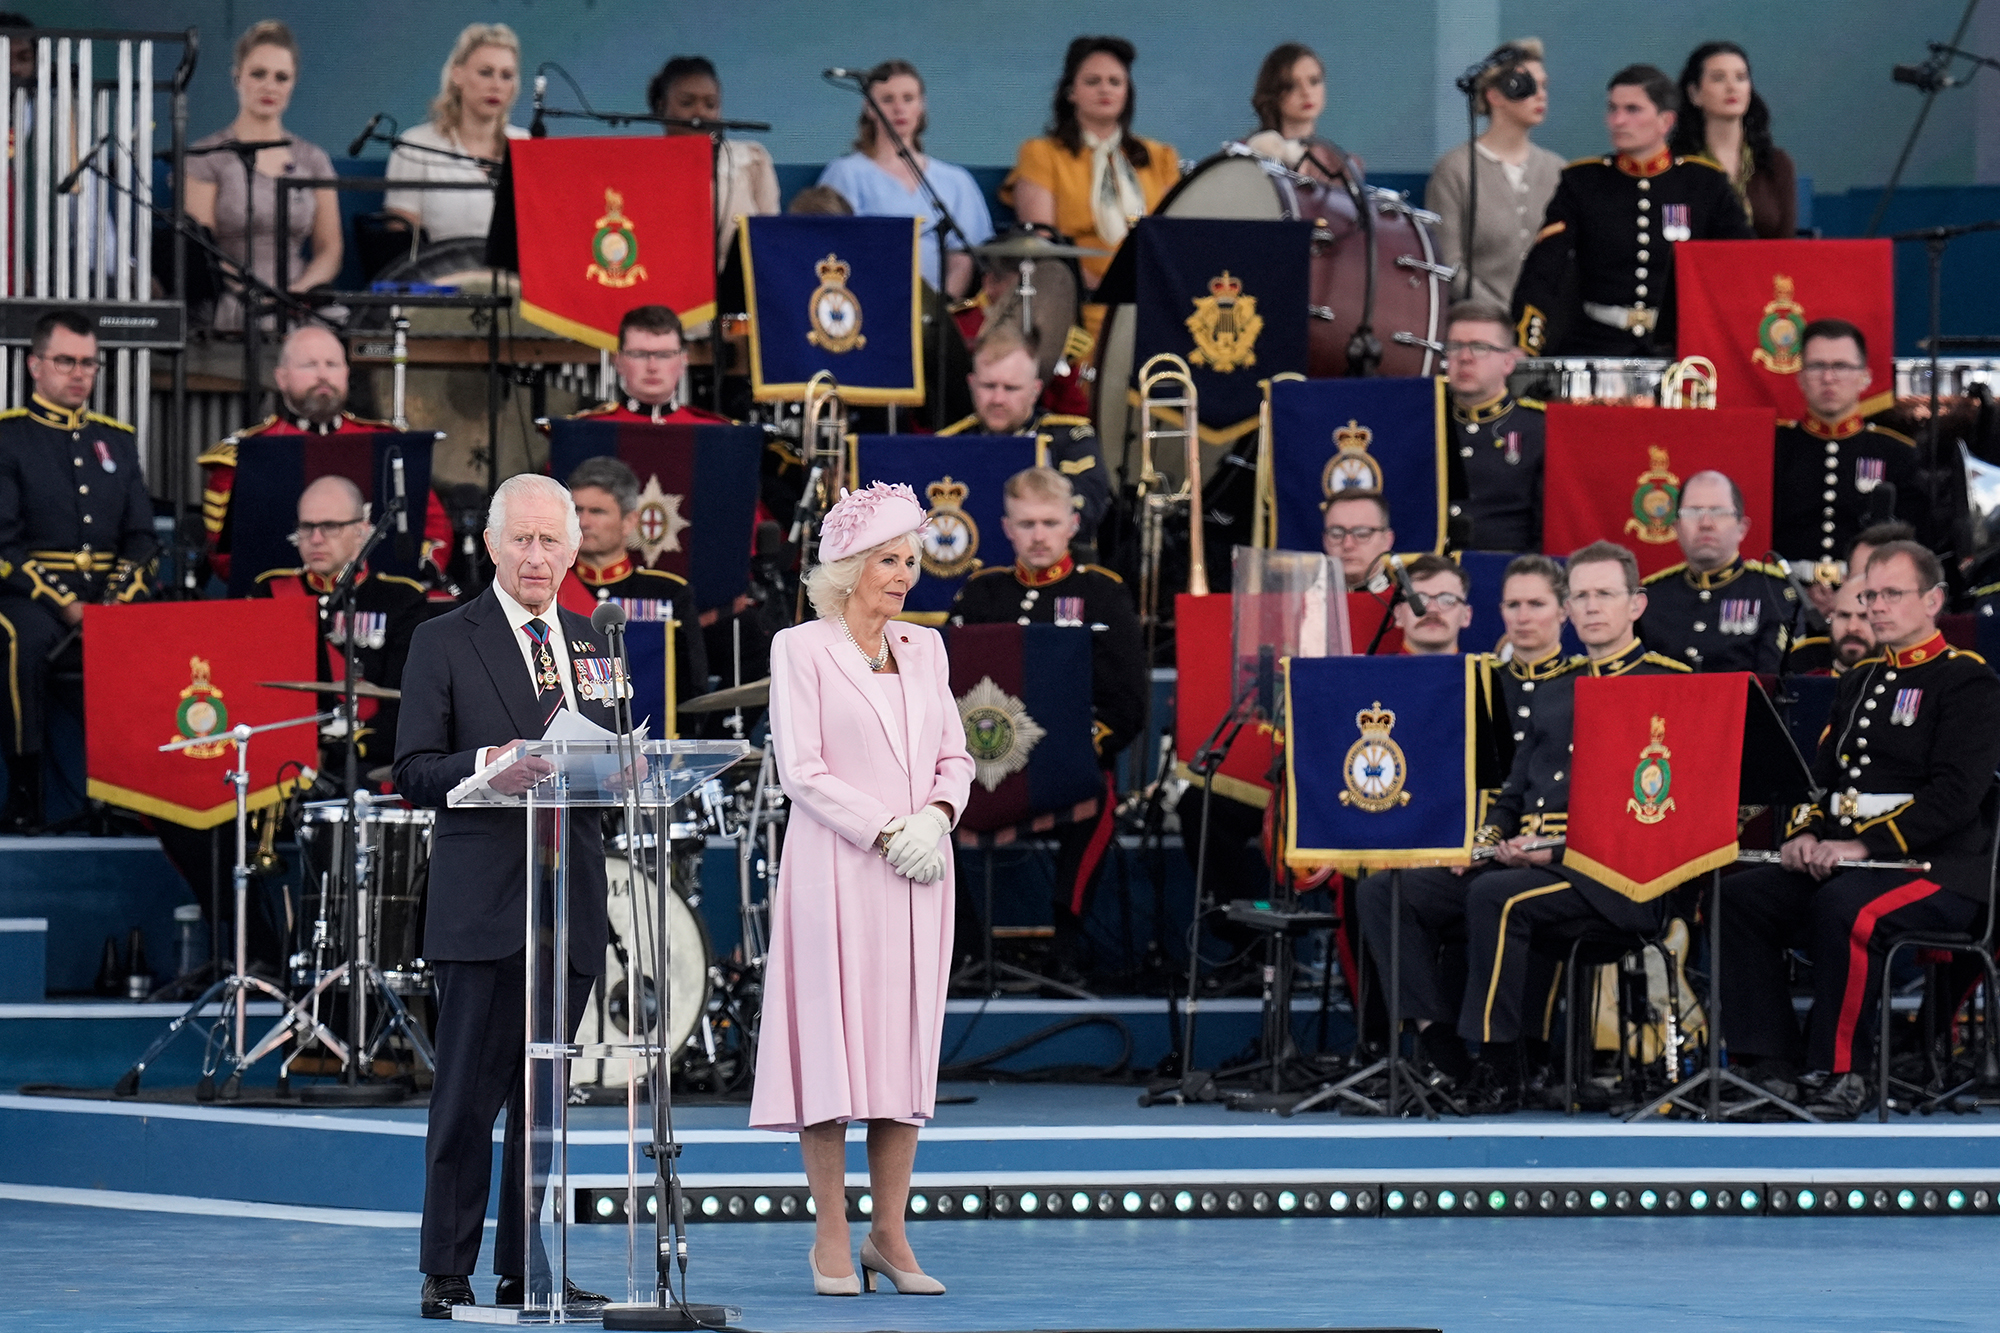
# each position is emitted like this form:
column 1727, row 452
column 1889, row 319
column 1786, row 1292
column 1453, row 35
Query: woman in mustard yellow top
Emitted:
column 1088, row 176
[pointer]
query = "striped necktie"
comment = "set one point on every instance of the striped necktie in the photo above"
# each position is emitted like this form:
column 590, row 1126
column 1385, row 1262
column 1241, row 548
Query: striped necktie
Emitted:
column 549, row 698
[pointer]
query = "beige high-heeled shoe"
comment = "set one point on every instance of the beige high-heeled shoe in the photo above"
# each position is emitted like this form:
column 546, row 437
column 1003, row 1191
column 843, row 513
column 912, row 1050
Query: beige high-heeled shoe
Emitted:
column 832, row 1286
column 906, row 1284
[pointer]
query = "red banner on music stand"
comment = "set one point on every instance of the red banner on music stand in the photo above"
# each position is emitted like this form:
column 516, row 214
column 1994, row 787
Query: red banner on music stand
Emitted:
column 1615, row 474
column 169, row 671
column 1654, row 792
column 609, row 224
column 1202, row 695
column 1743, row 305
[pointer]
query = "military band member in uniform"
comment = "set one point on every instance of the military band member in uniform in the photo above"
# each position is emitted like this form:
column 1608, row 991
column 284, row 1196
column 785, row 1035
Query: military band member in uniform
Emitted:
column 651, row 362
column 76, row 527
column 311, row 376
column 1847, row 641
column 1045, row 586
column 1531, row 892
column 1531, row 605
column 1718, row 611
column 1005, row 392
column 1447, row 598
column 1611, row 228
column 1905, row 770
column 998, row 298
column 606, row 493
column 1495, row 460
column 333, row 527
column 1355, row 531
column 1836, row 471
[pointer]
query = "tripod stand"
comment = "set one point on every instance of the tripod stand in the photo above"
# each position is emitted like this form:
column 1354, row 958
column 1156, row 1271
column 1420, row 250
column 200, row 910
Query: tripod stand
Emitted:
column 233, row 990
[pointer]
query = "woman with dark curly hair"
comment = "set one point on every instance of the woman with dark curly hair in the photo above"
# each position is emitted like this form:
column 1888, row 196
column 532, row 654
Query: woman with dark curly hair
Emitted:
column 1723, row 119
column 1088, row 176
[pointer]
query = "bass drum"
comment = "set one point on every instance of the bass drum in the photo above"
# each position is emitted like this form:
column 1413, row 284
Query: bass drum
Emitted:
column 608, row 1017
column 1410, row 292
column 452, row 399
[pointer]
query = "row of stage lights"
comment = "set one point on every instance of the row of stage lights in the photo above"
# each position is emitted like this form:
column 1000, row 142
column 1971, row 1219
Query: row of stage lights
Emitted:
column 1564, row 1200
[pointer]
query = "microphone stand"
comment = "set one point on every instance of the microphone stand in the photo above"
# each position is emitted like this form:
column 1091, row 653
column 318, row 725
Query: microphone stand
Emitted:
column 1923, row 114
column 253, row 312
column 945, row 223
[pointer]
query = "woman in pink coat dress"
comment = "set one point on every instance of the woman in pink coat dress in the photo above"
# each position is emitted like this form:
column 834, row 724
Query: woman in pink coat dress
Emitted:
column 872, row 756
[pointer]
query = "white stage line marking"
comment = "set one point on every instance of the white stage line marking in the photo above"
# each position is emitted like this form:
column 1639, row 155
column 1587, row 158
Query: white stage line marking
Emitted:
column 190, row 1205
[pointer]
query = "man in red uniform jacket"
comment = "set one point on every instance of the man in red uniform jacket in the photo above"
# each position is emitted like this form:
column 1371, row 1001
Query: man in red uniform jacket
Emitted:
column 651, row 360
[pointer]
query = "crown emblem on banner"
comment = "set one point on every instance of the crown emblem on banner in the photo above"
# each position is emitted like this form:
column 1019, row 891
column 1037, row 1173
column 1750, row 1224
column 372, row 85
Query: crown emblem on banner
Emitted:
column 832, row 310
column 1226, row 287
column 1375, row 766
column 1656, row 502
column 832, row 271
column 201, row 712
column 614, row 250
column 1653, row 779
column 1224, row 325
column 951, row 541
column 1779, row 333
column 1353, row 468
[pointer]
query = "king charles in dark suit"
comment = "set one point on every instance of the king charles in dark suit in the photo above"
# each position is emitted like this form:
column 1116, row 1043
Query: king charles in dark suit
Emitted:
column 479, row 679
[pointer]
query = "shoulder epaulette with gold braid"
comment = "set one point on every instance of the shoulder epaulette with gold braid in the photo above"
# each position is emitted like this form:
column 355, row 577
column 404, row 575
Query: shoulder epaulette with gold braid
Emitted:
column 103, row 420
column 1670, row 570
column 1895, row 435
column 1113, row 575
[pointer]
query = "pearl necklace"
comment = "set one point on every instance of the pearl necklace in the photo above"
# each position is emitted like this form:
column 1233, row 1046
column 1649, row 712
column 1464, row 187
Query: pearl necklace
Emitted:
column 876, row 662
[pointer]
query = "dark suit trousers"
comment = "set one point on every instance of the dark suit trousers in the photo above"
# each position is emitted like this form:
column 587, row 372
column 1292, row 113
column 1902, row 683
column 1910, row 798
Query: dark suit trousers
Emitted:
column 480, row 1033
column 28, row 633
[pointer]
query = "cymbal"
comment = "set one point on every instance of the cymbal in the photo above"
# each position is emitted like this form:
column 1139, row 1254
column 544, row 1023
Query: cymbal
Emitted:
column 362, row 688
column 1033, row 245
column 754, row 694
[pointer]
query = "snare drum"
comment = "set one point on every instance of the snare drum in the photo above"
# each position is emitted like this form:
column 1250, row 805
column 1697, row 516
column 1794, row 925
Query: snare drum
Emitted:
column 396, row 841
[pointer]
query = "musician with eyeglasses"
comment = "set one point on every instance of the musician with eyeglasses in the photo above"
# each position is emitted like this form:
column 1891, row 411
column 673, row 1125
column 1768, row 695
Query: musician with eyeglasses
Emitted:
column 1495, row 458
column 312, row 381
column 1904, row 770
column 651, row 361
column 1717, row 611
column 1837, row 470
column 333, row 526
column 76, row 527
column 1447, row 598
column 1355, row 532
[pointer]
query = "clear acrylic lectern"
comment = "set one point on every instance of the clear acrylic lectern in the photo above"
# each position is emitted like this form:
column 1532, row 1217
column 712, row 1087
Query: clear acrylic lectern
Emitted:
column 586, row 776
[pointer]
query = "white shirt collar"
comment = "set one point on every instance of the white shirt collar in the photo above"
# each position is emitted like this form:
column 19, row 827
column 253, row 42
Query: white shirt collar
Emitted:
column 518, row 616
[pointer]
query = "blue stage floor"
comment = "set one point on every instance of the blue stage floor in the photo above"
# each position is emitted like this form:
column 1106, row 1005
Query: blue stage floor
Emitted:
column 90, row 1269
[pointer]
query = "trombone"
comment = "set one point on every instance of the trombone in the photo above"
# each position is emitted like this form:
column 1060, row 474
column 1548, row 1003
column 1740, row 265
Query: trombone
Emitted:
column 1689, row 382
column 1166, row 385
column 823, row 449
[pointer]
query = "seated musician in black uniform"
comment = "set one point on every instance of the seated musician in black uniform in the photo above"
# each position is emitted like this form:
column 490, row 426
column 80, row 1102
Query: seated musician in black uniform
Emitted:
column 1848, row 640
column 1837, row 471
column 1355, row 531
column 1046, row 586
column 1447, row 597
column 1531, row 606
column 1006, row 393
column 1610, row 230
column 333, row 527
column 1496, row 456
column 606, row 493
column 1531, row 895
column 1718, row 611
column 76, row 526
column 1905, row 770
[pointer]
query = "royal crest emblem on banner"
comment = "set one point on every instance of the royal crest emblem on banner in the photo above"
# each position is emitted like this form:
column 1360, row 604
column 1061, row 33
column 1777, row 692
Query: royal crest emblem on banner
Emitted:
column 999, row 734
column 202, row 713
column 1656, row 501
column 1352, row 468
column 1778, row 340
column 1653, row 779
column 1375, row 767
column 834, row 312
column 951, row 547
column 660, row 522
column 614, row 250
column 1225, row 325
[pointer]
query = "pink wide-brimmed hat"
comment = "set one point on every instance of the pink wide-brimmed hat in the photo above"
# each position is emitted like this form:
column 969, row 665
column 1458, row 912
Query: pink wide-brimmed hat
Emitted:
column 866, row 518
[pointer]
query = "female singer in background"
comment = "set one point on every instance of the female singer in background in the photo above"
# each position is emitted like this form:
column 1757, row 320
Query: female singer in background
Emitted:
column 1088, row 176
column 1724, row 120
column 1290, row 94
column 476, row 92
column 878, row 183
column 746, row 184
column 872, row 754
column 1517, row 178
column 218, row 193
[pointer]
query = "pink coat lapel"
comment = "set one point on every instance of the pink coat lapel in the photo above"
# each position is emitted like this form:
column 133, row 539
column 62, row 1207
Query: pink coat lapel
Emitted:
column 850, row 664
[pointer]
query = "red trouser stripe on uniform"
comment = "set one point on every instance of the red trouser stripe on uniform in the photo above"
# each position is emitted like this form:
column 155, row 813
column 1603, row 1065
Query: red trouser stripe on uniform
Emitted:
column 1856, row 990
column 1100, row 838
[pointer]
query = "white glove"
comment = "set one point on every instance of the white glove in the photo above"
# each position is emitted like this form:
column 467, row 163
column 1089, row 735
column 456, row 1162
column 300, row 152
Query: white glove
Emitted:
column 917, row 840
column 931, row 869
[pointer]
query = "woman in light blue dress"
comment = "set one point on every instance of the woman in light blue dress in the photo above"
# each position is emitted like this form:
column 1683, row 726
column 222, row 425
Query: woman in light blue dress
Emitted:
column 878, row 183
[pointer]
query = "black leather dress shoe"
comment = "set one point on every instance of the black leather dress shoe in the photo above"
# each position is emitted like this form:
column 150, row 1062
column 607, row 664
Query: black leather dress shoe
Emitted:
column 1491, row 1091
column 1843, row 1098
column 441, row 1292
column 510, row 1290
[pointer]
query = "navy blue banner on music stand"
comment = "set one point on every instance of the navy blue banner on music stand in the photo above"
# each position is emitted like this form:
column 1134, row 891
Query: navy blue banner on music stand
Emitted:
column 961, row 478
column 1027, row 724
column 838, row 294
column 272, row 473
column 1224, row 295
column 1358, row 434
column 1390, row 762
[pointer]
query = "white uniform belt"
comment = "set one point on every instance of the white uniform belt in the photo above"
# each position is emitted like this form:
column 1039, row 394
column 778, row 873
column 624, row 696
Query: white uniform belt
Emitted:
column 1867, row 805
column 1623, row 316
